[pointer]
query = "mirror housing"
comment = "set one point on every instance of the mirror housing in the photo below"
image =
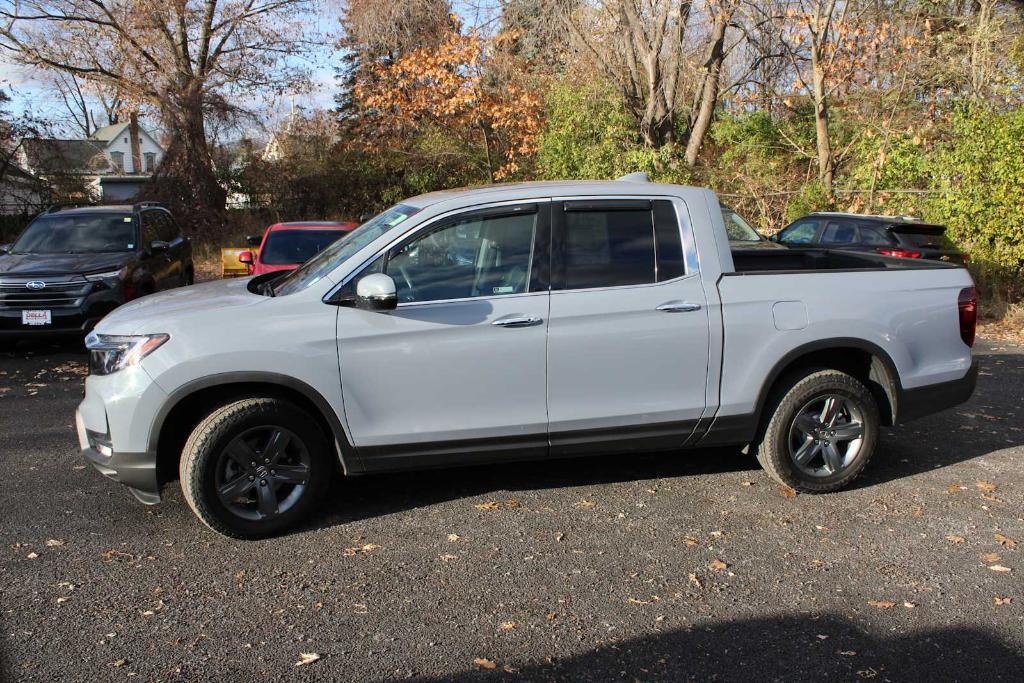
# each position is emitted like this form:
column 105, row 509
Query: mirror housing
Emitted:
column 245, row 257
column 159, row 245
column 376, row 292
column 4, row 248
column 254, row 240
column 773, row 238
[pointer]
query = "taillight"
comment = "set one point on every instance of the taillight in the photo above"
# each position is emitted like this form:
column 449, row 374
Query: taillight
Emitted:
column 902, row 253
column 967, row 307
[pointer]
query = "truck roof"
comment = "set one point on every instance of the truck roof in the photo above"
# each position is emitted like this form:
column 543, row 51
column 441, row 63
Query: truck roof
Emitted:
column 547, row 188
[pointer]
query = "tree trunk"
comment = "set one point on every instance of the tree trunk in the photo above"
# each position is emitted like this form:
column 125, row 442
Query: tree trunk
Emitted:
column 186, row 181
column 826, row 170
column 133, row 136
column 709, row 91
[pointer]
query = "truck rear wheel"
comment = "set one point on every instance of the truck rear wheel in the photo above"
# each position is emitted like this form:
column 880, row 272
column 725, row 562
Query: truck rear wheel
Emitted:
column 255, row 467
column 821, row 433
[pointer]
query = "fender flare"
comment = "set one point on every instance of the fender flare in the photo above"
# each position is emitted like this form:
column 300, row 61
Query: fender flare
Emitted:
column 346, row 453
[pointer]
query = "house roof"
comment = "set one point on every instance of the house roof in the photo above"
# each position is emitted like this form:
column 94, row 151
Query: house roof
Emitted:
column 49, row 156
column 108, row 133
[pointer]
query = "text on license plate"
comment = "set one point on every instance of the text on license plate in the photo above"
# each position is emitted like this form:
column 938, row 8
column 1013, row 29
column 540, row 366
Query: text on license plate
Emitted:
column 36, row 318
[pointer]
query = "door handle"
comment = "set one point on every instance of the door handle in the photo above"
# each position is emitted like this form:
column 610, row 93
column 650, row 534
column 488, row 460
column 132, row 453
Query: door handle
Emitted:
column 678, row 307
column 526, row 321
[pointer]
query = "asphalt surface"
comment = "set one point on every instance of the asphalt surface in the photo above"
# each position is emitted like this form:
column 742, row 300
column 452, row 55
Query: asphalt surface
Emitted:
column 689, row 566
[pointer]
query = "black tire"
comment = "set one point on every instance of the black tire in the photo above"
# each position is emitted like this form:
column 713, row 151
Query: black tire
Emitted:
column 209, row 470
column 801, row 453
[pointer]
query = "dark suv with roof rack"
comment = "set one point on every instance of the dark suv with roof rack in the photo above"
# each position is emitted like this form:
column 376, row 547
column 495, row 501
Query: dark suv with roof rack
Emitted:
column 902, row 236
column 74, row 264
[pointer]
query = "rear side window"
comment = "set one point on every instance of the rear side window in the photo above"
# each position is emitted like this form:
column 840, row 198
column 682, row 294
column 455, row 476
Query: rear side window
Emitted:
column 614, row 243
column 839, row 233
column 874, row 237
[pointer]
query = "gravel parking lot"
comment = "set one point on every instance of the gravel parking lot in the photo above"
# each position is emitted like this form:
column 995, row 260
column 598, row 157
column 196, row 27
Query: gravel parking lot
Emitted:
column 662, row 567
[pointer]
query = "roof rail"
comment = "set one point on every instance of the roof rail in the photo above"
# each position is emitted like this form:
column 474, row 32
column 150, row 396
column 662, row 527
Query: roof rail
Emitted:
column 640, row 177
column 142, row 205
column 53, row 208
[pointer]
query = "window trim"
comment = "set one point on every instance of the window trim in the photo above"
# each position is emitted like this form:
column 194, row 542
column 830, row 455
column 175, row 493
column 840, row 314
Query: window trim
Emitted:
column 541, row 247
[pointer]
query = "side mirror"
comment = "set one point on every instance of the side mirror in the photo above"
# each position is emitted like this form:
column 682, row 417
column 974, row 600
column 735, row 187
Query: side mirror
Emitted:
column 4, row 248
column 376, row 292
column 159, row 245
column 774, row 238
column 254, row 240
column 245, row 257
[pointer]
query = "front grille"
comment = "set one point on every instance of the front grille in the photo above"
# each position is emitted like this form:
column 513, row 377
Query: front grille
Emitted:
column 16, row 295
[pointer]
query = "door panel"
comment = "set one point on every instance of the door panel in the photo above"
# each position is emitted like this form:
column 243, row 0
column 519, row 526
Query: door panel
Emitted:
column 454, row 380
column 627, row 362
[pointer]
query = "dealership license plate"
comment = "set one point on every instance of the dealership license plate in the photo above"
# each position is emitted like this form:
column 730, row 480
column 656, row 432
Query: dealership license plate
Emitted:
column 36, row 318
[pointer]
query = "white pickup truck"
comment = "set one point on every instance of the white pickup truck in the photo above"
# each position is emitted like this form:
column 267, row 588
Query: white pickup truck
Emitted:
column 520, row 322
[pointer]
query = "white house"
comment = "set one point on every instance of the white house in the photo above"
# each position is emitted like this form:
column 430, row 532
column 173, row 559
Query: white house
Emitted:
column 112, row 164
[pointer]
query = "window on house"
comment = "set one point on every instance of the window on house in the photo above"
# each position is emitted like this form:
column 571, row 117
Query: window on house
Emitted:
column 117, row 159
column 150, row 160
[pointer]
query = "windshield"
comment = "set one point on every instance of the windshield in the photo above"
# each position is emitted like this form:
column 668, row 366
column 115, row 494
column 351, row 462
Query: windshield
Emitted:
column 333, row 256
column 77, row 234
column 285, row 247
column 738, row 229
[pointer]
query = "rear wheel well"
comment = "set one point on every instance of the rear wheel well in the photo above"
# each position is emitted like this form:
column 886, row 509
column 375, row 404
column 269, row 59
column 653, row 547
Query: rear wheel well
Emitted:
column 190, row 410
column 870, row 368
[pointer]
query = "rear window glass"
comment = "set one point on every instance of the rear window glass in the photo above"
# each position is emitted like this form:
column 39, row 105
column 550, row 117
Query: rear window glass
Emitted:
column 923, row 239
column 287, row 247
column 608, row 249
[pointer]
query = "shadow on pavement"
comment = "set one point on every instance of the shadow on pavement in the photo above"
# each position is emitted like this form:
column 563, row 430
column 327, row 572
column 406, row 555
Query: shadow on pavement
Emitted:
column 783, row 648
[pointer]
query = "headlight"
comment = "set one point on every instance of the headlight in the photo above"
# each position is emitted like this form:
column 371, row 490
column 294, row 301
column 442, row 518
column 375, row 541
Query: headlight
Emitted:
column 112, row 352
column 108, row 275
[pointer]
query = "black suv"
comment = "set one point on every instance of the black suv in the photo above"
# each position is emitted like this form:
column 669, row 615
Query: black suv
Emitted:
column 888, row 235
column 73, row 265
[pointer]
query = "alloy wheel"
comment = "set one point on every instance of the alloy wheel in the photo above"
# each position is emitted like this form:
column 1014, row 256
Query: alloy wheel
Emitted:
column 826, row 435
column 263, row 472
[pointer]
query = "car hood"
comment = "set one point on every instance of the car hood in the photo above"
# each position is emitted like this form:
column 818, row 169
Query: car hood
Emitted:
column 155, row 312
column 38, row 265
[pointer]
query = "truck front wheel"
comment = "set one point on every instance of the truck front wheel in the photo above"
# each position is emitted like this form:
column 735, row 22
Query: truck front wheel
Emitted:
column 255, row 467
column 822, row 432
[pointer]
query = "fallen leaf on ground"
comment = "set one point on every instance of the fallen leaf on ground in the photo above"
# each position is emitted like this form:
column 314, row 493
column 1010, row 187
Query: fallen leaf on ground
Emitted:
column 990, row 558
column 882, row 604
column 121, row 662
column 307, row 658
column 508, row 626
column 361, row 550
column 910, row 605
column 448, row 558
column 1005, row 541
column 999, row 568
column 485, row 663
column 788, row 492
column 54, row 543
column 986, row 487
column 690, row 541
column 452, row 538
column 695, row 581
column 62, row 600
column 952, row 538
column 586, row 504
column 32, row 556
column 746, row 483
column 718, row 565
column 847, row 653
column 490, row 505
column 1003, row 600
column 954, row 488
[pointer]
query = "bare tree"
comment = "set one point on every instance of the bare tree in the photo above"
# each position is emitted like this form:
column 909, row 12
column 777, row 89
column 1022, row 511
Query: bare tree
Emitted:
column 188, row 59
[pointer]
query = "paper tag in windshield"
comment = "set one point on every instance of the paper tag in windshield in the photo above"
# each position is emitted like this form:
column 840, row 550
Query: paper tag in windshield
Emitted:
column 127, row 219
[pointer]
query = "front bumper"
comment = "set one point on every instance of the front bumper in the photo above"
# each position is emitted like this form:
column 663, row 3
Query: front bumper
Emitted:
column 921, row 401
column 113, row 424
column 74, row 320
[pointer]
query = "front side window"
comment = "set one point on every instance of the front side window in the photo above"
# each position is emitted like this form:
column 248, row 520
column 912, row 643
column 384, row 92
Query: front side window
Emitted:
column 333, row 256
column 476, row 256
column 81, row 234
column 607, row 248
column 799, row 233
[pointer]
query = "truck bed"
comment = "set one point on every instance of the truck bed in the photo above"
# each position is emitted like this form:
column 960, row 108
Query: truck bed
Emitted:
column 761, row 261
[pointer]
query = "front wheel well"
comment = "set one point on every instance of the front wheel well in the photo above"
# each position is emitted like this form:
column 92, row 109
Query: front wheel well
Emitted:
column 872, row 368
column 191, row 409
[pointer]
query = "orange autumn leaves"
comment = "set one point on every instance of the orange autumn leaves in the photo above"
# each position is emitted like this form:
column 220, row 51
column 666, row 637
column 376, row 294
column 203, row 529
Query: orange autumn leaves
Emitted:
column 466, row 86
